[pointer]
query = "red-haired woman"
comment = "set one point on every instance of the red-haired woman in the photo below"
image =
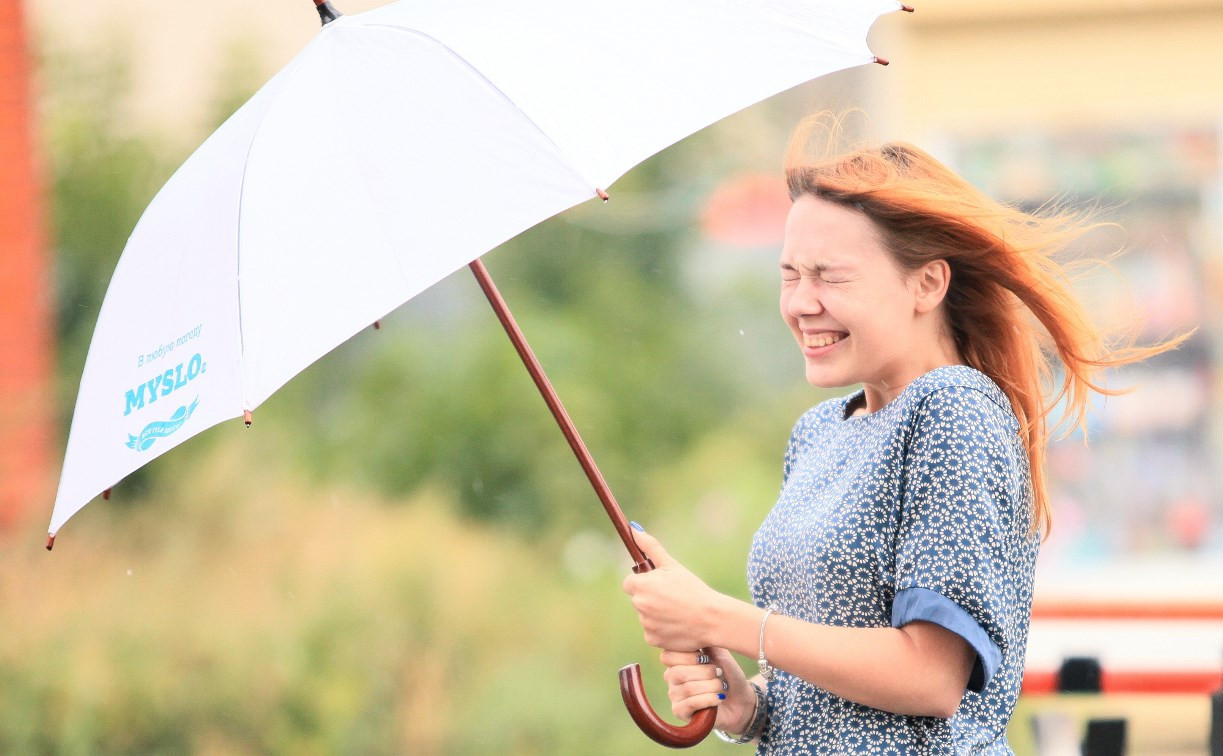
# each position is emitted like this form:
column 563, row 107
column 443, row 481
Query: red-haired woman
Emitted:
column 892, row 582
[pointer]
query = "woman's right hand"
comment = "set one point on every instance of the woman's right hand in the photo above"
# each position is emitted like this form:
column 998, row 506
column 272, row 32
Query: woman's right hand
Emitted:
column 692, row 687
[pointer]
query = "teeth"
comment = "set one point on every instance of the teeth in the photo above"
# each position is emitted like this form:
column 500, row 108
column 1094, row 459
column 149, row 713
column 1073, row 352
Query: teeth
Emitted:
column 822, row 339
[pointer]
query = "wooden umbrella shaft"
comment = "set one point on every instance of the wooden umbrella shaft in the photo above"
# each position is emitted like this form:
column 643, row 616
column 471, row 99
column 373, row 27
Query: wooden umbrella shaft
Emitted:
column 631, row 688
column 640, row 562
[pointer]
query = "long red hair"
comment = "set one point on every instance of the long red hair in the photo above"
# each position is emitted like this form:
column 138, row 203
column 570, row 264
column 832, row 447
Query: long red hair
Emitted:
column 1010, row 306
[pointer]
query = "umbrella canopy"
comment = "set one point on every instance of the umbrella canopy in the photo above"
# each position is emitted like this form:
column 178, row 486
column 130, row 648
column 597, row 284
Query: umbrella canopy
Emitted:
column 398, row 146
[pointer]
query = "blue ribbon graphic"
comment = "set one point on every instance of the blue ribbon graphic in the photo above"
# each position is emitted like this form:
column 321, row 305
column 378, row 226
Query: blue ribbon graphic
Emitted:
column 161, row 428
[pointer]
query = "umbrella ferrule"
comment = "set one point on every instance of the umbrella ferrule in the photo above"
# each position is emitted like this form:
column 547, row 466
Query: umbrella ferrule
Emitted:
column 326, row 11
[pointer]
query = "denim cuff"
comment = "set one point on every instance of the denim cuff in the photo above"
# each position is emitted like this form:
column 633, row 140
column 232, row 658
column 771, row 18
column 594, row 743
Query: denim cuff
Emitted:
column 914, row 604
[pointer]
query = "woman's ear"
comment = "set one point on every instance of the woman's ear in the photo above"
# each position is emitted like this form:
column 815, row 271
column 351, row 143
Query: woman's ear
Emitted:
column 932, row 280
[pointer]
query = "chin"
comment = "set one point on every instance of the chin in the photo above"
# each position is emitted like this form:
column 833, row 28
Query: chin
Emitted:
column 824, row 380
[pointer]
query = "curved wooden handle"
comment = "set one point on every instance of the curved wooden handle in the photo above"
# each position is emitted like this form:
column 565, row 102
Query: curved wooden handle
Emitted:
column 658, row 729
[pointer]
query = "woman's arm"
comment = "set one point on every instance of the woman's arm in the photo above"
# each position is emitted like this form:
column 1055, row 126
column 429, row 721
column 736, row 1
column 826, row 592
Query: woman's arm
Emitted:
column 920, row 668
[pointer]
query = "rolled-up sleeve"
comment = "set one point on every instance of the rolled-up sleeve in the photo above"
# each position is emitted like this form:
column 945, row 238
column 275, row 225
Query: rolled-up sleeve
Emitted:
column 923, row 604
column 957, row 512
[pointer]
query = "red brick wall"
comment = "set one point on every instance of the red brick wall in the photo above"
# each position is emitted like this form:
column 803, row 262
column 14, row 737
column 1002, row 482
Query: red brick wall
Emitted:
column 26, row 416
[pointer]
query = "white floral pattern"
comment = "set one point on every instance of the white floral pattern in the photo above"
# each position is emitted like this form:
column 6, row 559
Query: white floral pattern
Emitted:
column 930, row 493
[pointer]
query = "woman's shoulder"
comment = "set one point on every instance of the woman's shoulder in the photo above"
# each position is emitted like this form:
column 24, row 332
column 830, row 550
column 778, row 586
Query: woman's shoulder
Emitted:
column 957, row 384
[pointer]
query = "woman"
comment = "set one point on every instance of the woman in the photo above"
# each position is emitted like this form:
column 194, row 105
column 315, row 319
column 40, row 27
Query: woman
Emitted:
column 892, row 581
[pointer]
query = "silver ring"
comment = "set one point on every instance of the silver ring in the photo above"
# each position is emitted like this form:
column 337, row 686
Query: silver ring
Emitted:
column 702, row 658
column 725, row 686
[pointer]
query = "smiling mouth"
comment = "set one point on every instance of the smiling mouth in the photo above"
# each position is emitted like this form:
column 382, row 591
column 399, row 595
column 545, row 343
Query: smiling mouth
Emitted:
column 815, row 340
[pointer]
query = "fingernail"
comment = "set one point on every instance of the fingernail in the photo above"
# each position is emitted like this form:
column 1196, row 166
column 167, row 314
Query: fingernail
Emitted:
column 721, row 696
column 636, row 526
column 717, row 671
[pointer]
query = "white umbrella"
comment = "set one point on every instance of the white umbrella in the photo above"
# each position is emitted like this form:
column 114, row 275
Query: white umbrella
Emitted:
column 398, row 146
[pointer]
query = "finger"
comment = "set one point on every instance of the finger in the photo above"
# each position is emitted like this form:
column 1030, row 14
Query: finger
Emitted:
column 685, row 708
column 690, row 673
column 725, row 661
column 629, row 585
column 686, row 658
column 653, row 549
column 709, row 686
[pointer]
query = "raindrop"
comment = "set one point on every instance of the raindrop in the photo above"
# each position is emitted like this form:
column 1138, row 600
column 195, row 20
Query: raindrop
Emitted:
column 129, row 571
column 741, row 332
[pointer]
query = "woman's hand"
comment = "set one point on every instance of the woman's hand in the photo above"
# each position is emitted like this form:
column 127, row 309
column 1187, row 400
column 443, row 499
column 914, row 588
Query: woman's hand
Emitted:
column 692, row 686
column 674, row 606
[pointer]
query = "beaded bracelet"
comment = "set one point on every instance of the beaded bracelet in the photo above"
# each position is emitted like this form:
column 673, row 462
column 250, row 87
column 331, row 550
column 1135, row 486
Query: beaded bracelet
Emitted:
column 755, row 727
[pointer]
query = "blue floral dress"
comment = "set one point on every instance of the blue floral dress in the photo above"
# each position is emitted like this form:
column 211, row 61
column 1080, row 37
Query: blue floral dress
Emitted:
column 919, row 511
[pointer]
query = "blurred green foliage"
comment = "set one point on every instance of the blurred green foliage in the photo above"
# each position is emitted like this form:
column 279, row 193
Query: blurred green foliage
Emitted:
column 246, row 613
column 403, row 555
column 449, row 401
column 101, row 176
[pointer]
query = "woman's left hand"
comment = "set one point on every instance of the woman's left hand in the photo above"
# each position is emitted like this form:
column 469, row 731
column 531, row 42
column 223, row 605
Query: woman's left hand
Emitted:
column 674, row 606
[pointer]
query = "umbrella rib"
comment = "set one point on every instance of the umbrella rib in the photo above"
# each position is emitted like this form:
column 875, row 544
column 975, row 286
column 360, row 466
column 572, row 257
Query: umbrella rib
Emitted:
column 284, row 75
column 238, row 278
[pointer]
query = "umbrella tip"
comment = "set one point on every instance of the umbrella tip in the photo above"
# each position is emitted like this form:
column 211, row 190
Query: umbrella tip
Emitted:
column 248, row 417
column 602, row 194
column 906, row 8
column 106, row 495
column 50, row 540
column 377, row 325
column 882, row 61
column 326, row 12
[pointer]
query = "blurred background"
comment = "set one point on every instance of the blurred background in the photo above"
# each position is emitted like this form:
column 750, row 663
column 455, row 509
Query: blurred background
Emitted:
column 402, row 556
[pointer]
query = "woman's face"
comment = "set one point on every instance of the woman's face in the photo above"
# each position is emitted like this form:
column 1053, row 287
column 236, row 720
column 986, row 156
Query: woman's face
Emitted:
column 855, row 315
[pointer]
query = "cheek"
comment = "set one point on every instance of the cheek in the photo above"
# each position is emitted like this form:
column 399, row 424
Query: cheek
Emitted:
column 784, row 305
column 880, row 309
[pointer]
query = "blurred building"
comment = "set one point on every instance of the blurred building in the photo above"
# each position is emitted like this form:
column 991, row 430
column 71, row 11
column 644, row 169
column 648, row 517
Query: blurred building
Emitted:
column 26, row 415
column 177, row 54
column 1116, row 106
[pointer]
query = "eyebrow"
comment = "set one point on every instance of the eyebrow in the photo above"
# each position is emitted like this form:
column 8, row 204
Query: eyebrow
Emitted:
column 815, row 269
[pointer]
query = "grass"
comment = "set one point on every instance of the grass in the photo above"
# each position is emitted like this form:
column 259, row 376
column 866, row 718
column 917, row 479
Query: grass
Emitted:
column 238, row 612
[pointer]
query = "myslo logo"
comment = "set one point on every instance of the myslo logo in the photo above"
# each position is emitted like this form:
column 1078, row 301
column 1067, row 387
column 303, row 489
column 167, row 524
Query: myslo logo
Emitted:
column 161, row 385
column 164, row 384
column 161, row 428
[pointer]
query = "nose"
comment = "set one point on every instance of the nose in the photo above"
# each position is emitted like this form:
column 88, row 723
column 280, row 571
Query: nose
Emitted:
column 805, row 299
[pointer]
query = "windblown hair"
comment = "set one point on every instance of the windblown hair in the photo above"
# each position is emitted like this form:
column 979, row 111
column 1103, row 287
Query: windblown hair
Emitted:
column 1009, row 305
